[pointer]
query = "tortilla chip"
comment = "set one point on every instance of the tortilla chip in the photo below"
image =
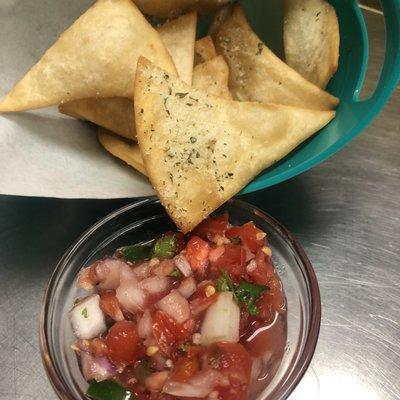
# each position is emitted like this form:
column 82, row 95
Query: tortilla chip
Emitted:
column 95, row 57
column 212, row 77
column 204, row 50
column 120, row 148
column 179, row 36
column 174, row 8
column 256, row 74
column 200, row 150
column 113, row 113
column 311, row 39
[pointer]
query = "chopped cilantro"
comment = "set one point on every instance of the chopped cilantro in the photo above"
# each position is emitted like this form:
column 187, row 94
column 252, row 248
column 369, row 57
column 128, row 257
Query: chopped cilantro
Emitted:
column 176, row 273
column 184, row 347
column 85, row 313
column 248, row 293
column 224, row 283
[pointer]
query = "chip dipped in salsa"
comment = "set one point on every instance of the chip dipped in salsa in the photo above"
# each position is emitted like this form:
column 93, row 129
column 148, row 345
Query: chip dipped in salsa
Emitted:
column 201, row 315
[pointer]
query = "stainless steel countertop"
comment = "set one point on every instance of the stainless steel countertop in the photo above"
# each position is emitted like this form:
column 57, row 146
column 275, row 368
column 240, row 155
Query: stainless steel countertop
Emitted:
column 345, row 213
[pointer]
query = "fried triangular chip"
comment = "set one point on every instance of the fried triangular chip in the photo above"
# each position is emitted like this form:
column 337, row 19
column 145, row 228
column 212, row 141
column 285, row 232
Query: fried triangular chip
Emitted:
column 212, row 77
column 179, row 36
column 204, row 50
column 311, row 39
column 116, row 113
column 256, row 74
column 95, row 57
column 113, row 113
column 174, row 8
column 201, row 150
column 122, row 149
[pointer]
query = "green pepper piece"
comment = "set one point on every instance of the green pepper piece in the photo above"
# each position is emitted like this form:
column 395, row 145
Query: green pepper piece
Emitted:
column 164, row 247
column 109, row 390
column 135, row 252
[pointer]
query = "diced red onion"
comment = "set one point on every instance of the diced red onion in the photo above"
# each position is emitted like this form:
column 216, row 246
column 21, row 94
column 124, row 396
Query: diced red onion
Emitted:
column 108, row 272
column 156, row 381
column 145, row 325
column 176, row 306
column 142, row 271
column 131, row 297
column 99, row 368
column 183, row 265
column 155, row 284
column 187, row 287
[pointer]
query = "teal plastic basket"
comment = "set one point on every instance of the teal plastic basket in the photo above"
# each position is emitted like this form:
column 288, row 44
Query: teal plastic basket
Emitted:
column 353, row 115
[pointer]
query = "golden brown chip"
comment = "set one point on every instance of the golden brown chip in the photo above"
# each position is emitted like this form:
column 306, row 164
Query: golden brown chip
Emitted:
column 120, row 148
column 113, row 113
column 212, row 77
column 95, row 57
column 173, row 8
column 311, row 39
column 256, row 74
column 179, row 36
column 200, row 150
column 204, row 50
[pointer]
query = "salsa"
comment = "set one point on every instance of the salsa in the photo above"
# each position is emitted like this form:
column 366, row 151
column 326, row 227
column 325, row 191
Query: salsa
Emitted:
column 193, row 316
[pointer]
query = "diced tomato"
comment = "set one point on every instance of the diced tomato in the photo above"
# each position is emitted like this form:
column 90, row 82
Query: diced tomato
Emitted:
column 110, row 305
column 232, row 260
column 185, row 368
column 98, row 347
column 197, row 252
column 249, row 234
column 212, row 227
column 168, row 333
column 233, row 360
column 123, row 343
column 264, row 270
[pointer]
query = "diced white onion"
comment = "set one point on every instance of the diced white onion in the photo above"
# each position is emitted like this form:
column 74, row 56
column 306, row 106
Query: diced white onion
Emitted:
column 155, row 284
column 183, row 265
column 108, row 272
column 187, row 287
column 221, row 322
column 87, row 318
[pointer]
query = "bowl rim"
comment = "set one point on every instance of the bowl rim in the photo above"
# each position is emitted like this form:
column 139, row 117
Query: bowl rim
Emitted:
column 306, row 355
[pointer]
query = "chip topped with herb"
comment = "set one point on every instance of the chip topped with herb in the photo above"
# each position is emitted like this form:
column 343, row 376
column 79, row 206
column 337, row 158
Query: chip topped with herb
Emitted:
column 201, row 150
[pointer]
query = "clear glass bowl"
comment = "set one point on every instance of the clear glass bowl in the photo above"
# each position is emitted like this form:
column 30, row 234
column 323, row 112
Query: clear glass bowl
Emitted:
column 141, row 222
